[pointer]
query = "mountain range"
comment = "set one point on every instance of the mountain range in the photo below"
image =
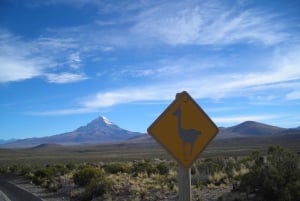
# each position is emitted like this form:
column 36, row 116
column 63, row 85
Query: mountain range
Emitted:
column 6, row 141
column 245, row 130
column 249, row 129
column 103, row 131
column 99, row 131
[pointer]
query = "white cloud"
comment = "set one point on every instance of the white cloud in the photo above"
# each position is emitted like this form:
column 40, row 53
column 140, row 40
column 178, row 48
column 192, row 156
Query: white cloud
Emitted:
column 22, row 59
column 170, row 68
column 19, row 69
column 294, row 95
column 239, row 119
column 56, row 43
column 73, row 3
column 208, row 23
column 63, row 78
column 180, row 27
column 16, row 61
column 258, row 85
column 105, row 23
column 63, row 112
column 74, row 60
column 107, row 48
column 283, row 76
column 111, row 98
column 175, row 23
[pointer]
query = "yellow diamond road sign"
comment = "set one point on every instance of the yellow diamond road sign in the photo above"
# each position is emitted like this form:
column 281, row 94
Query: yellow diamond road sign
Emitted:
column 183, row 129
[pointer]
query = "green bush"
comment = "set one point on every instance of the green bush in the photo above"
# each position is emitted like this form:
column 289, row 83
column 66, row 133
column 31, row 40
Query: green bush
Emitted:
column 115, row 168
column 96, row 188
column 144, row 167
column 16, row 169
column 209, row 166
column 70, row 166
column 60, row 169
column 25, row 170
column 274, row 177
column 53, row 185
column 163, row 168
column 43, row 175
column 85, row 176
column 3, row 170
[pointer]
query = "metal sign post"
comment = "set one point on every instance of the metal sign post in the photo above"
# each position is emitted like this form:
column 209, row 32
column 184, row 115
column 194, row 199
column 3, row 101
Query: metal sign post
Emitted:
column 184, row 183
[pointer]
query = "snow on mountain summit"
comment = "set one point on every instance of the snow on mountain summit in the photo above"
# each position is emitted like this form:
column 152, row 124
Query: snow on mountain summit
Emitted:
column 106, row 120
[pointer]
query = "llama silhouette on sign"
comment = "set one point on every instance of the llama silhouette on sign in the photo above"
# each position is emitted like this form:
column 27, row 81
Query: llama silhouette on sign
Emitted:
column 188, row 136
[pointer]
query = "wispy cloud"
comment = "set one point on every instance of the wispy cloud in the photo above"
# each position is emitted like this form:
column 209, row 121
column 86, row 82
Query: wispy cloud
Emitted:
column 16, row 60
column 194, row 22
column 74, row 60
column 62, row 78
column 239, row 119
column 60, row 54
column 122, row 96
column 294, row 95
column 56, row 43
column 26, row 59
column 208, row 23
column 282, row 75
column 62, row 112
column 73, row 3
column 17, row 69
column 187, row 23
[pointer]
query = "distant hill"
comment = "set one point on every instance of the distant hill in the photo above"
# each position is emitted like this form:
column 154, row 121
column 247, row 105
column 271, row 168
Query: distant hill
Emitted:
column 249, row 129
column 291, row 131
column 245, row 130
column 141, row 139
column 98, row 131
column 47, row 146
column 6, row 141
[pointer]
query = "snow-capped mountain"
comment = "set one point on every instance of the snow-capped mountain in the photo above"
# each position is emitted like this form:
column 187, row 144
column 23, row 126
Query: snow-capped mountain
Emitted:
column 100, row 130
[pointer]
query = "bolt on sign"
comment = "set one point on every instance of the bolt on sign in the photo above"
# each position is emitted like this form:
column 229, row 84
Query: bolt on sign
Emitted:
column 183, row 129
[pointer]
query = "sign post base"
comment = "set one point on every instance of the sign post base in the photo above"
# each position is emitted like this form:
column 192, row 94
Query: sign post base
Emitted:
column 184, row 183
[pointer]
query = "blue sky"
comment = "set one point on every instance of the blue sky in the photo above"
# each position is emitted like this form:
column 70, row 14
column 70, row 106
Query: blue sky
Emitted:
column 66, row 62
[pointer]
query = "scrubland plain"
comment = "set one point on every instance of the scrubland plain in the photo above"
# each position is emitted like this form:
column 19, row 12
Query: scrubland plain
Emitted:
column 226, row 170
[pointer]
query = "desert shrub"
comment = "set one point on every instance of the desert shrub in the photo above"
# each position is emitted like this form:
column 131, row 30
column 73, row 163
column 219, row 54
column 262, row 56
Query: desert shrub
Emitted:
column 71, row 166
column 275, row 177
column 84, row 176
column 115, row 168
column 48, row 176
column 45, row 172
column 53, row 185
column 219, row 170
column 43, row 175
column 211, row 171
column 218, row 178
column 163, row 168
column 95, row 188
column 16, row 169
column 61, row 169
column 87, row 165
column 211, row 165
column 25, row 170
column 197, row 178
column 144, row 167
column 3, row 169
